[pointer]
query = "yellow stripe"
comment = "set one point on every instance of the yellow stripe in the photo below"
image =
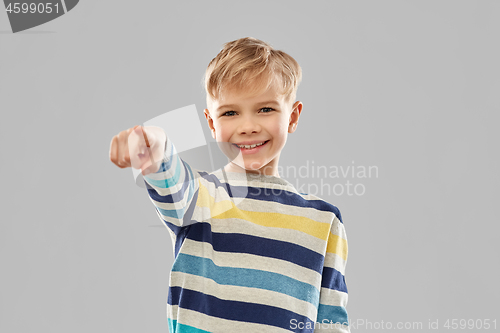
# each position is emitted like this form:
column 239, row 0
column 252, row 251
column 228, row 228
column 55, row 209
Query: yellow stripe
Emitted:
column 277, row 220
column 206, row 200
column 337, row 245
column 226, row 209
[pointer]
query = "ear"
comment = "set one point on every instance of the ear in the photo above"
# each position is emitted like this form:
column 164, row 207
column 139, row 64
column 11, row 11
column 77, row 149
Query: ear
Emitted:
column 210, row 122
column 294, row 116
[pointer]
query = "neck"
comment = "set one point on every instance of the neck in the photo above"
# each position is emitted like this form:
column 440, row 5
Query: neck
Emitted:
column 267, row 170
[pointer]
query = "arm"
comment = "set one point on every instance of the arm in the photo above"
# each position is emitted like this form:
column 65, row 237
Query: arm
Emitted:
column 332, row 313
column 173, row 188
column 172, row 185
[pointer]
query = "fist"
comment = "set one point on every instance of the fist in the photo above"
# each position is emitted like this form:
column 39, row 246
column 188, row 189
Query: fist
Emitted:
column 140, row 147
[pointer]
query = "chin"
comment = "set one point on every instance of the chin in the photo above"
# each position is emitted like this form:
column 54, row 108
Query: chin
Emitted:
column 249, row 166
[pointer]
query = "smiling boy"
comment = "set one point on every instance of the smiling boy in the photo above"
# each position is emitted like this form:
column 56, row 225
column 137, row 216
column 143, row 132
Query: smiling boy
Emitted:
column 244, row 119
column 252, row 254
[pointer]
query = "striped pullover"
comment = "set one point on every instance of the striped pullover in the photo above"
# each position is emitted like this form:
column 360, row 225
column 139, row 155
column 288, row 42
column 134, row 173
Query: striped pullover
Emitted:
column 251, row 253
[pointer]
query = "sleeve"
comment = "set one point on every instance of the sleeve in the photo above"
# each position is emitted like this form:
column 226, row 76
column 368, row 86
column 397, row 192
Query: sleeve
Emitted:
column 332, row 313
column 173, row 189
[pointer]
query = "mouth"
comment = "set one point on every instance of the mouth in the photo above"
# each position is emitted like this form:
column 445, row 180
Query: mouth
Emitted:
column 250, row 147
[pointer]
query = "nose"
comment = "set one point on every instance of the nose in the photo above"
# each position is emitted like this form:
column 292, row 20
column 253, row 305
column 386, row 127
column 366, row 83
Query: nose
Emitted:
column 249, row 125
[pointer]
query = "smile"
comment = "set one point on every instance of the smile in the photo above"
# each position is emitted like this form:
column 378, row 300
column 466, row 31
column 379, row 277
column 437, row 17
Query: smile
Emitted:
column 251, row 146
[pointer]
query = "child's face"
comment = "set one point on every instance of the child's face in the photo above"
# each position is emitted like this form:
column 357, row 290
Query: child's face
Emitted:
column 240, row 119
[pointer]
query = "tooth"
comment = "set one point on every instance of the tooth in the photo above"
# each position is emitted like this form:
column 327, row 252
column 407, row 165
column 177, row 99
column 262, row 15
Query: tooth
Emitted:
column 251, row 146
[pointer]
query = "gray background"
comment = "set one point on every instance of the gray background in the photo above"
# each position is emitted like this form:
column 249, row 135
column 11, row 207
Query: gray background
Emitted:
column 411, row 87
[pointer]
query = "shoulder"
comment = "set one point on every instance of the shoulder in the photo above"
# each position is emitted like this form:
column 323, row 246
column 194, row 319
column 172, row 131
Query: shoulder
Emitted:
column 313, row 201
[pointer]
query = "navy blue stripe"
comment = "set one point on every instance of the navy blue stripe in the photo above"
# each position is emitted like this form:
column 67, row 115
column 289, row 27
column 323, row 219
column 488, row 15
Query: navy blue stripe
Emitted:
column 186, row 218
column 181, row 236
column 339, row 216
column 183, row 232
column 271, row 248
column 235, row 310
column 285, row 197
column 240, row 191
column 333, row 279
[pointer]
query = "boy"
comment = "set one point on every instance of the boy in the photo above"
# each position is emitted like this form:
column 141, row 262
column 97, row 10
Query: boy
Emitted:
column 275, row 262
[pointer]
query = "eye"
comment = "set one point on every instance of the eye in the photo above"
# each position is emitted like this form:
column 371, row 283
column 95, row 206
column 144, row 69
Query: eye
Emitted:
column 266, row 108
column 225, row 113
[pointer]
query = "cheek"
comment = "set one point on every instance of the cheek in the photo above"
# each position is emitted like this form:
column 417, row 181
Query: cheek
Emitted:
column 222, row 133
column 281, row 129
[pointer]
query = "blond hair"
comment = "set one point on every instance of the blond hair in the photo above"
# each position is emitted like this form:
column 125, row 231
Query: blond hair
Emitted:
column 251, row 64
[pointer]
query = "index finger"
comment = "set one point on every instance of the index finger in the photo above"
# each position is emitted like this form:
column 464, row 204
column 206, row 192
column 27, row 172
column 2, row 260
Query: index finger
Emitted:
column 139, row 129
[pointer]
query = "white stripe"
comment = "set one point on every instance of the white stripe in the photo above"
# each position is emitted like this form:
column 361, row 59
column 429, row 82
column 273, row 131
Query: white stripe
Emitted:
column 338, row 228
column 335, row 261
column 276, row 207
column 333, row 297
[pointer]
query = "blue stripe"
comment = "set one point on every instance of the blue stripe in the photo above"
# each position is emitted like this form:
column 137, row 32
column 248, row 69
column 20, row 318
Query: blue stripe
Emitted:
column 246, row 277
column 178, row 196
column 333, row 279
column 166, row 165
column 332, row 314
column 173, row 197
column 271, row 248
column 175, row 327
column 235, row 310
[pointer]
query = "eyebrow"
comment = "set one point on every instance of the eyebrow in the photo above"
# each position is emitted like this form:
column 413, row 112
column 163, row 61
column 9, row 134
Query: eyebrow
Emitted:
column 257, row 104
